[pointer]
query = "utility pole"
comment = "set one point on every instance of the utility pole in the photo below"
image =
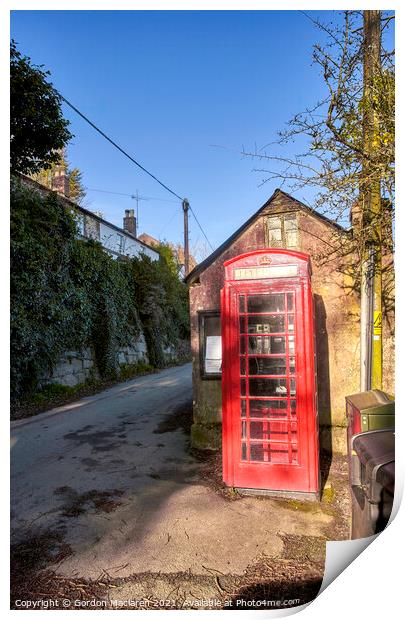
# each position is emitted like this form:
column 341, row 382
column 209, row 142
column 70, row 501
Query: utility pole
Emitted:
column 371, row 280
column 186, row 206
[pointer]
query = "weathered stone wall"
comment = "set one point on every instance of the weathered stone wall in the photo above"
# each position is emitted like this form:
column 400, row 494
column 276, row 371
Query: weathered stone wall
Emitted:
column 137, row 352
column 76, row 367
column 337, row 329
column 179, row 353
column 337, row 325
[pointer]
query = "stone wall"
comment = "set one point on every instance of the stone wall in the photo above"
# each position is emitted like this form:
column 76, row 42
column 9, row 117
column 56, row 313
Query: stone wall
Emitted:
column 137, row 352
column 76, row 367
column 182, row 352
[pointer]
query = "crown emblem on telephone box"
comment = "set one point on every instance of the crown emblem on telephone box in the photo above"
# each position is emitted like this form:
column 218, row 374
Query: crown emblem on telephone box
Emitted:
column 264, row 260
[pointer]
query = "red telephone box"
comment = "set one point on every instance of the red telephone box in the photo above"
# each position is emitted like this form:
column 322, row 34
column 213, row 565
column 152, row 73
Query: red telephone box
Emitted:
column 269, row 411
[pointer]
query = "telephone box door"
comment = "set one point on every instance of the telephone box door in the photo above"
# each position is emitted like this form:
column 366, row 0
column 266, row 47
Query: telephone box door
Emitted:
column 270, row 433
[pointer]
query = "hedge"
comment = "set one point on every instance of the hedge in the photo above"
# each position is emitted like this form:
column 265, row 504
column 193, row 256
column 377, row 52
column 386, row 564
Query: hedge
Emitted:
column 68, row 293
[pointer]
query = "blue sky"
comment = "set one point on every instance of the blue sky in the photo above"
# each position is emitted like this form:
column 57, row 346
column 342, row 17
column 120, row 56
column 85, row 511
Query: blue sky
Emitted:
column 183, row 92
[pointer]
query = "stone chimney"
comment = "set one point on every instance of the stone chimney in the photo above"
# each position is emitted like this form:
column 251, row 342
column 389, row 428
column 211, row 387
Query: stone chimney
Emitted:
column 130, row 222
column 60, row 180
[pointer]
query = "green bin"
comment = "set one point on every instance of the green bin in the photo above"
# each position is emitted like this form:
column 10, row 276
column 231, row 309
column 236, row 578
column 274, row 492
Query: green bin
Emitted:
column 368, row 411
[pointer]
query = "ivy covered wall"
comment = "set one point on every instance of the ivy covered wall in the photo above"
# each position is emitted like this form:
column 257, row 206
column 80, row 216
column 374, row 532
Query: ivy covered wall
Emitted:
column 67, row 294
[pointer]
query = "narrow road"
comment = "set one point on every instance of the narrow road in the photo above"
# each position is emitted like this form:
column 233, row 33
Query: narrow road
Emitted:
column 101, row 444
column 112, row 476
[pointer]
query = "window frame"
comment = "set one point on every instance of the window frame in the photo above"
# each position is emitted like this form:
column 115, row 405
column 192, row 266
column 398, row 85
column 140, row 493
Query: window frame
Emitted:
column 202, row 316
column 282, row 217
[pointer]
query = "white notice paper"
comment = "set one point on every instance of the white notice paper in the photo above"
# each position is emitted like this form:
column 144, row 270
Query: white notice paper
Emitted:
column 213, row 354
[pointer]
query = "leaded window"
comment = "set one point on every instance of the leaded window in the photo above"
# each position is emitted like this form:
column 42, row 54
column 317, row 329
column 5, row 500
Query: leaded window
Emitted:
column 282, row 231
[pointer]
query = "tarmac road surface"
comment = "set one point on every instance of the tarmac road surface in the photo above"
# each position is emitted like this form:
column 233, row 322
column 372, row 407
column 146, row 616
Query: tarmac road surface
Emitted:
column 128, row 499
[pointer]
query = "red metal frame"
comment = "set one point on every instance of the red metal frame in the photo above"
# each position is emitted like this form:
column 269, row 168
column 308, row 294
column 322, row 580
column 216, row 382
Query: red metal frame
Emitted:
column 270, row 426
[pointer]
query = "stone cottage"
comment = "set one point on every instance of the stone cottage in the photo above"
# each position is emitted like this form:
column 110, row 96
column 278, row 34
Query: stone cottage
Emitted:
column 284, row 222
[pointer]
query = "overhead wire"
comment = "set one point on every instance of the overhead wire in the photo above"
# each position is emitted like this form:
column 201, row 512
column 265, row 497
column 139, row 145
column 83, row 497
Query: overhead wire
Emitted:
column 102, row 133
column 118, row 147
column 200, row 227
column 134, row 196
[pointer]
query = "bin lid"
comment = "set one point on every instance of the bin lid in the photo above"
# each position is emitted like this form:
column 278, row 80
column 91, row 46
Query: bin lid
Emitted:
column 376, row 452
column 371, row 398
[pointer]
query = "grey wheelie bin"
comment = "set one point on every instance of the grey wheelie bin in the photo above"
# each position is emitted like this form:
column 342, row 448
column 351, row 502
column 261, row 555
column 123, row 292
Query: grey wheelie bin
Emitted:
column 372, row 474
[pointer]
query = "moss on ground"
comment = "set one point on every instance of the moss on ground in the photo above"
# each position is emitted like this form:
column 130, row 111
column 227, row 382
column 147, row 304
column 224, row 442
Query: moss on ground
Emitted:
column 206, row 437
column 294, row 504
column 328, row 494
